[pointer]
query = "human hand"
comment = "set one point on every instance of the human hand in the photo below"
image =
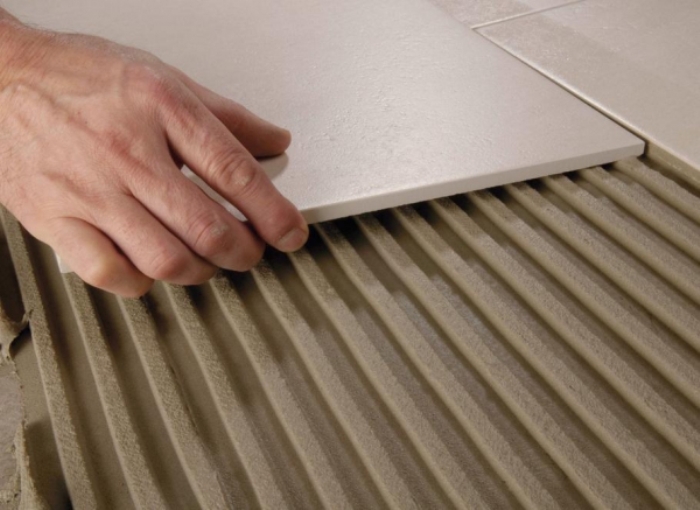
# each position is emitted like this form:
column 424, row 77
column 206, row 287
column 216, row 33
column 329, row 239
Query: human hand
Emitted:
column 92, row 137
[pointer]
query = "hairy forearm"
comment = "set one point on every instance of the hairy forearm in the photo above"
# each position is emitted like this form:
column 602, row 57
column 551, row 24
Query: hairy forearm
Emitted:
column 19, row 46
column 9, row 26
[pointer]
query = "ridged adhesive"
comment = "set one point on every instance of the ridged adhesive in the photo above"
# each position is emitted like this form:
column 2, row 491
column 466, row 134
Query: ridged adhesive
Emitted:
column 534, row 345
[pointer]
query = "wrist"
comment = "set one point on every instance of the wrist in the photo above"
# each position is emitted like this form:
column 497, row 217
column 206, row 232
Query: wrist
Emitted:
column 20, row 47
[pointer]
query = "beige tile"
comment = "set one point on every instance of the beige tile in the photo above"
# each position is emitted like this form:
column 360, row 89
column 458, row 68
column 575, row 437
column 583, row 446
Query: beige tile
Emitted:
column 636, row 60
column 479, row 12
column 390, row 102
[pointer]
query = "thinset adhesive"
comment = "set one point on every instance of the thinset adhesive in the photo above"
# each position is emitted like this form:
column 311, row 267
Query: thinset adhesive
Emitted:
column 530, row 346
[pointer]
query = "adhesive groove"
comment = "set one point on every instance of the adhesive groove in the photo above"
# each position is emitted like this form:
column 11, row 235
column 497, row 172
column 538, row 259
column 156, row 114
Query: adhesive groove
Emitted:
column 530, row 346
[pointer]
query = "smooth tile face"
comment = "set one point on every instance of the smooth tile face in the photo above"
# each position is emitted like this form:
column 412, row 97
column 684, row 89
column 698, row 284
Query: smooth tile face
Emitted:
column 637, row 60
column 474, row 13
column 389, row 101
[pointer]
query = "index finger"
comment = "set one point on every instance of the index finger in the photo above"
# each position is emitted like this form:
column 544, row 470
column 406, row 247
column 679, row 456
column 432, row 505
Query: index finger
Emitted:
column 212, row 152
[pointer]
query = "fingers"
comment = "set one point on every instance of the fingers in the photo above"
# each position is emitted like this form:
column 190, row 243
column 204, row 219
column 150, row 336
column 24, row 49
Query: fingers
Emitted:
column 210, row 150
column 203, row 225
column 260, row 137
column 147, row 250
column 150, row 246
column 93, row 257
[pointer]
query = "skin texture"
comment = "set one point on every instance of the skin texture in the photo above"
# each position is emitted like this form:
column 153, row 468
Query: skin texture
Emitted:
column 92, row 139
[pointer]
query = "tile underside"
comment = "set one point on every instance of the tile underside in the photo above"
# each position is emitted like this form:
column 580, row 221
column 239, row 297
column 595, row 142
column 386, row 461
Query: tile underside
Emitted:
column 535, row 345
column 390, row 101
column 637, row 61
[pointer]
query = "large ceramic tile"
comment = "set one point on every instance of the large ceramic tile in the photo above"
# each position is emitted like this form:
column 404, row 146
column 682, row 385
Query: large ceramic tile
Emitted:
column 474, row 13
column 390, row 101
column 637, row 60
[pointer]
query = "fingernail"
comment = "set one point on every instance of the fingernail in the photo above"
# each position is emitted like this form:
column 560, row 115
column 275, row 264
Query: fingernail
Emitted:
column 292, row 240
column 288, row 135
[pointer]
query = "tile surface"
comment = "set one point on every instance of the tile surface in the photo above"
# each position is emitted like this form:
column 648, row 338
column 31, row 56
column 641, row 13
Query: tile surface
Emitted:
column 637, row 60
column 479, row 12
column 390, row 101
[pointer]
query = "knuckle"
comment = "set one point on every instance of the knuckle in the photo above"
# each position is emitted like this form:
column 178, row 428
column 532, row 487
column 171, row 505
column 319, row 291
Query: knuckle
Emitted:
column 211, row 235
column 235, row 173
column 136, row 74
column 150, row 83
column 168, row 265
